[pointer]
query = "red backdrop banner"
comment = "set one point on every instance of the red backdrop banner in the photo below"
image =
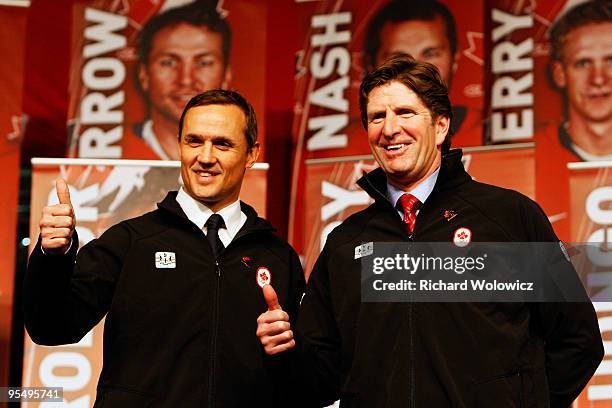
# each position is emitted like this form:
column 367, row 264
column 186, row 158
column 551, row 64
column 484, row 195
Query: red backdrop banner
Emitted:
column 110, row 91
column 510, row 76
column 12, row 26
column 335, row 56
column 590, row 216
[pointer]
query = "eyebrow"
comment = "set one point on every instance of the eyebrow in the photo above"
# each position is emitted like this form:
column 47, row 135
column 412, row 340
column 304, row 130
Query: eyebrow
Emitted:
column 177, row 55
column 395, row 108
column 375, row 112
column 223, row 139
column 433, row 47
column 217, row 138
column 191, row 136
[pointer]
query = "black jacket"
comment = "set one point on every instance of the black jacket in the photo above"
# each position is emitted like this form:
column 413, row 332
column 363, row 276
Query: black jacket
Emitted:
column 440, row 354
column 173, row 337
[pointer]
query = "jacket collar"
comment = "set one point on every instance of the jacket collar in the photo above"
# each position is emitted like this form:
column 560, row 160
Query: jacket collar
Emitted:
column 253, row 222
column 451, row 175
column 566, row 141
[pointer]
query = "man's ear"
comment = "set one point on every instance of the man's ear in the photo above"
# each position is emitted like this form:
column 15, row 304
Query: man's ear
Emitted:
column 442, row 128
column 455, row 64
column 143, row 77
column 252, row 155
column 558, row 74
column 227, row 77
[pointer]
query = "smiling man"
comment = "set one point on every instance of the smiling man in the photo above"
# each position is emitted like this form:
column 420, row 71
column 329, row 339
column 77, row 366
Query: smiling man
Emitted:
column 371, row 354
column 181, row 52
column 180, row 286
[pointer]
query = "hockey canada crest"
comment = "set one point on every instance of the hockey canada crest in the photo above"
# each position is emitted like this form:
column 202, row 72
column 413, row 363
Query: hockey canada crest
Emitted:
column 462, row 237
column 264, row 277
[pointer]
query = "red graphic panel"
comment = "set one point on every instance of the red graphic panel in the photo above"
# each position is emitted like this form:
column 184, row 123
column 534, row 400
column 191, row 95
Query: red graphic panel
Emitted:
column 126, row 106
column 590, row 187
column 339, row 46
column 12, row 25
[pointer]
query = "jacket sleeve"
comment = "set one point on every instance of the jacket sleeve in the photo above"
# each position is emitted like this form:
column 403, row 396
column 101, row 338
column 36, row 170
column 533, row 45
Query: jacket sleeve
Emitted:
column 296, row 290
column 279, row 365
column 65, row 296
column 573, row 344
column 316, row 357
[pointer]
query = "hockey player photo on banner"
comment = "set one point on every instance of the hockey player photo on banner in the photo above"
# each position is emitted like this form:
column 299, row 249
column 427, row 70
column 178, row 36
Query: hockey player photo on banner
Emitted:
column 343, row 40
column 135, row 64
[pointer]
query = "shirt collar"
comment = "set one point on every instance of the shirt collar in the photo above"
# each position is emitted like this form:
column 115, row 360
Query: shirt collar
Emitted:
column 586, row 156
column 421, row 191
column 198, row 213
column 149, row 138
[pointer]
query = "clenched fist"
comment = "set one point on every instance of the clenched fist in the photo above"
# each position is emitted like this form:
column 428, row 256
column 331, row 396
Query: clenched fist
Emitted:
column 57, row 222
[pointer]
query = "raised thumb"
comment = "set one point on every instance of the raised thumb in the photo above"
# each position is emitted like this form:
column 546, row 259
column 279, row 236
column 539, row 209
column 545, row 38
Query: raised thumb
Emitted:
column 63, row 194
column 271, row 298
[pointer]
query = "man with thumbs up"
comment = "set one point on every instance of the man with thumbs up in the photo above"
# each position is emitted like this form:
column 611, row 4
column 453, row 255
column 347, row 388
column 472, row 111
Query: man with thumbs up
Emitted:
column 384, row 353
column 180, row 286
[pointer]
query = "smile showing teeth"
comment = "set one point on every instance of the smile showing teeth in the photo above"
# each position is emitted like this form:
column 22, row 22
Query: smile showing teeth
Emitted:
column 394, row 147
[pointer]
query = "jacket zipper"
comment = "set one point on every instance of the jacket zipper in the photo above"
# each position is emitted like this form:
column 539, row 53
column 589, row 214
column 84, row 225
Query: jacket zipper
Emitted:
column 520, row 381
column 213, row 341
column 411, row 312
column 411, row 381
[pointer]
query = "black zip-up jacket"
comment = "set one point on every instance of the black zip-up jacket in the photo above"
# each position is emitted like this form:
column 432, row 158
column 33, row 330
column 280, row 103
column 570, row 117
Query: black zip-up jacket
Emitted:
column 173, row 337
column 439, row 354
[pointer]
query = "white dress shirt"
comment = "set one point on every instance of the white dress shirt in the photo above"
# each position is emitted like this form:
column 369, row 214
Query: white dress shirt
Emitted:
column 421, row 191
column 198, row 213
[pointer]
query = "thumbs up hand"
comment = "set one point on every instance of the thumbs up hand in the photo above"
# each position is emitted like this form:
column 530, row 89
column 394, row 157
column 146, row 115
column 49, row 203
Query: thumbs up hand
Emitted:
column 57, row 222
column 273, row 327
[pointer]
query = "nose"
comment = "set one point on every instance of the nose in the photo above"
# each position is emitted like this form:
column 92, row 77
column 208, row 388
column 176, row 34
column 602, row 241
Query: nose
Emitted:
column 185, row 74
column 206, row 154
column 600, row 73
column 391, row 124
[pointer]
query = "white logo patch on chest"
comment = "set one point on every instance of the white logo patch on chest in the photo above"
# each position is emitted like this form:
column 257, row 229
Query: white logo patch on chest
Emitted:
column 165, row 260
column 364, row 250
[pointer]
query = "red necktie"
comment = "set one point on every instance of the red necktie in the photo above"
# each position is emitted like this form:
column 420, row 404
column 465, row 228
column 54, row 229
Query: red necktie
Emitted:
column 410, row 204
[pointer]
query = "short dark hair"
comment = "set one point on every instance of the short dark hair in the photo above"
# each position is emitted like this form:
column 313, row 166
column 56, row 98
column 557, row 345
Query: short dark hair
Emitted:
column 421, row 77
column 200, row 13
column 225, row 97
column 590, row 12
column 398, row 11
